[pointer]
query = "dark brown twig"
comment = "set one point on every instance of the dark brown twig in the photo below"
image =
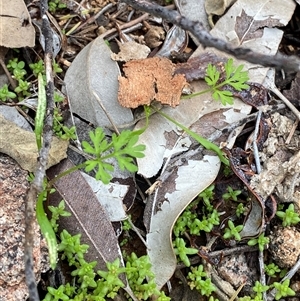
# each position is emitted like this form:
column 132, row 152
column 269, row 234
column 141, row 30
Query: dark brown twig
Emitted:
column 37, row 184
column 288, row 63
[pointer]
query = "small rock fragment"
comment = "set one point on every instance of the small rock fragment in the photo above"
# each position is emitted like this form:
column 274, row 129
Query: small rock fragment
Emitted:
column 285, row 246
column 13, row 189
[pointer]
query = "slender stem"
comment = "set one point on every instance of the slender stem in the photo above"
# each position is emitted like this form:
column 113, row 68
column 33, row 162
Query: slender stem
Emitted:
column 64, row 173
column 197, row 93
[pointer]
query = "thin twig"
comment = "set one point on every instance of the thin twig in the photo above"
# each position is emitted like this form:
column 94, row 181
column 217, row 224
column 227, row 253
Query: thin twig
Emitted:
column 286, row 101
column 37, row 184
column 278, row 61
column 125, row 25
column 262, row 272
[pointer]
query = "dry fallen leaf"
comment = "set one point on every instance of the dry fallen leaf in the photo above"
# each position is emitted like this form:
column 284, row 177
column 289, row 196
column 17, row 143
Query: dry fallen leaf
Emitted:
column 131, row 50
column 93, row 70
column 16, row 28
column 88, row 217
column 21, row 145
column 150, row 79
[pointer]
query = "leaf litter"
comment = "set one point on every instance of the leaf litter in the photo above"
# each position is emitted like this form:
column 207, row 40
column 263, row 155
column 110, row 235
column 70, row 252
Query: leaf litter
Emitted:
column 166, row 141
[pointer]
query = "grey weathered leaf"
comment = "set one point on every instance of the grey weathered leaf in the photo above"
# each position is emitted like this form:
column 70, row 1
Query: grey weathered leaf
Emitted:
column 93, row 70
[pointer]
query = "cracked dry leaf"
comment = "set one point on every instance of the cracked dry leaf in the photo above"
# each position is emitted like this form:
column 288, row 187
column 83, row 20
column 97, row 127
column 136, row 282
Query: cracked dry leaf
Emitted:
column 150, row 79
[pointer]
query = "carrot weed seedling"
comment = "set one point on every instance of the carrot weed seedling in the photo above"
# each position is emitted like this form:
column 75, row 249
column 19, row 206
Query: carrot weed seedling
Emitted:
column 234, row 77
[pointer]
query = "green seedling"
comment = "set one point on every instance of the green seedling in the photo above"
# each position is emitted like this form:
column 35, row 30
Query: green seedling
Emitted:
column 289, row 217
column 271, row 269
column 204, row 286
column 56, row 4
column 56, row 213
column 122, row 148
column 240, row 209
column 5, row 94
column 206, row 224
column 46, row 229
column 56, row 68
column 260, row 289
column 234, row 77
column 182, row 251
column 56, row 294
column 207, row 195
column 233, row 231
column 261, row 241
column 126, row 224
column 231, row 194
column 22, row 88
column 17, row 68
column 37, row 68
column 185, row 221
column 140, row 277
column 283, row 289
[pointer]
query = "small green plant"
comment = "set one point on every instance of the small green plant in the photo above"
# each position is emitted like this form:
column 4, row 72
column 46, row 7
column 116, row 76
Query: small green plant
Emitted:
column 240, row 209
column 22, row 88
column 37, row 68
column 233, row 77
column 126, row 224
column 207, row 195
column 261, row 240
column 289, row 216
column 17, row 68
column 231, row 194
column 271, row 269
column 56, row 213
column 184, row 222
column 5, row 94
column 206, row 224
column 204, row 286
column 182, row 251
column 233, row 231
column 56, row 4
column 121, row 147
column 140, row 277
column 260, row 289
column 283, row 289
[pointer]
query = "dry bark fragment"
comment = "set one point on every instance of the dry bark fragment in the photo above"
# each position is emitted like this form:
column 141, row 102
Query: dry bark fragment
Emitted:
column 150, row 79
